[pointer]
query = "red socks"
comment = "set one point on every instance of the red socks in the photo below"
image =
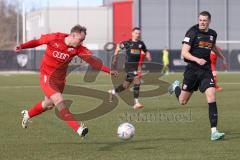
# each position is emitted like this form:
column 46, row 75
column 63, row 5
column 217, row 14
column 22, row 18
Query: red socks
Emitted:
column 36, row 110
column 67, row 116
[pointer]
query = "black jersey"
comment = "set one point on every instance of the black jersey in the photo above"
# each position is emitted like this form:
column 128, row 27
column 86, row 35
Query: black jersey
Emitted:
column 201, row 43
column 133, row 50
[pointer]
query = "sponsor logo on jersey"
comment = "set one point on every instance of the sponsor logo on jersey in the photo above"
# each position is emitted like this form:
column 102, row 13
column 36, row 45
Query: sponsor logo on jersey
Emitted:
column 70, row 49
column 135, row 51
column 60, row 55
column 206, row 45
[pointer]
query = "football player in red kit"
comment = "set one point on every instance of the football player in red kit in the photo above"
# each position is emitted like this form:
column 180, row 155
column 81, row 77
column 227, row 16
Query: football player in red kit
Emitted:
column 213, row 57
column 61, row 48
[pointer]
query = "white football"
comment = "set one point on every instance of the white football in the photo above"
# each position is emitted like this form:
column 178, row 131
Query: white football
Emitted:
column 126, row 131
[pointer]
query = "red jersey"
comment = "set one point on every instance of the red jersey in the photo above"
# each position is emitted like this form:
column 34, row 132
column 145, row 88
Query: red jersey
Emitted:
column 58, row 55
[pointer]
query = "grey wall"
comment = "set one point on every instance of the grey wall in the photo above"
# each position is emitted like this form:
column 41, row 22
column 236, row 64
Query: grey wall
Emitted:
column 164, row 22
column 98, row 21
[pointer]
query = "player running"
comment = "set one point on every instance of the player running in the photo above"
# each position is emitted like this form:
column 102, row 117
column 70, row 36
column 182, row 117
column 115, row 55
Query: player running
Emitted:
column 213, row 58
column 135, row 51
column 61, row 48
column 197, row 45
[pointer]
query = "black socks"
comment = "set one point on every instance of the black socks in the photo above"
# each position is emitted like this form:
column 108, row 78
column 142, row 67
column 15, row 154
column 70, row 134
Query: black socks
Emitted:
column 213, row 114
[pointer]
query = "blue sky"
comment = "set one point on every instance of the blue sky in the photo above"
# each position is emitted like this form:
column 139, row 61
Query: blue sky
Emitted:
column 43, row 3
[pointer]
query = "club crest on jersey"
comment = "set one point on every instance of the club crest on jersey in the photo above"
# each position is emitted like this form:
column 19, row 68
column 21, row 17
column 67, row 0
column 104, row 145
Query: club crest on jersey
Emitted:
column 211, row 38
column 60, row 55
column 140, row 45
column 70, row 49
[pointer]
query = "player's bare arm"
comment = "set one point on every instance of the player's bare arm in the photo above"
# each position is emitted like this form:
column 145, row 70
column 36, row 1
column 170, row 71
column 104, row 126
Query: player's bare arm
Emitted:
column 186, row 54
column 113, row 71
column 96, row 63
column 115, row 57
column 148, row 56
column 29, row 44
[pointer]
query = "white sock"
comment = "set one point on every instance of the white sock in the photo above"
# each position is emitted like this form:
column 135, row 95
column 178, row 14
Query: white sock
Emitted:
column 213, row 129
column 26, row 115
column 113, row 91
column 136, row 100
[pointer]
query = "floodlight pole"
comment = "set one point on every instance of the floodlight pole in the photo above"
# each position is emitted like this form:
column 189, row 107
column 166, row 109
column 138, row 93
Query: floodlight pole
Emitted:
column 17, row 38
column 168, row 19
column 77, row 11
column 140, row 14
column 23, row 22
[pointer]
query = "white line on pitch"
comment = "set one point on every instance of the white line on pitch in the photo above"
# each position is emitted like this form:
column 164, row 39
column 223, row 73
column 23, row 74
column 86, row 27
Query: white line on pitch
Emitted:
column 95, row 85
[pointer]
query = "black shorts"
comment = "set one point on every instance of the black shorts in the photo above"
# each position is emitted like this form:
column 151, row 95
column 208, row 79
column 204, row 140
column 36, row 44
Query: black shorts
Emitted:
column 131, row 70
column 197, row 78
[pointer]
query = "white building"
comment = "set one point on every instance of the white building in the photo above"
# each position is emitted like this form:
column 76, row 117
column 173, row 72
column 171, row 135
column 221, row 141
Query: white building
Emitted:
column 97, row 20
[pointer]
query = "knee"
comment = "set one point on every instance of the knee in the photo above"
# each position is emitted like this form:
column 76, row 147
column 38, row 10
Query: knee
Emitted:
column 50, row 106
column 136, row 87
column 126, row 86
column 47, row 104
column 137, row 81
column 57, row 99
column 211, row 98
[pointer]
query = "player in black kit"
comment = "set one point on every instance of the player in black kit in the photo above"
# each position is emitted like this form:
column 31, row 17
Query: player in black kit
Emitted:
column 135, row 51
column 197, row 45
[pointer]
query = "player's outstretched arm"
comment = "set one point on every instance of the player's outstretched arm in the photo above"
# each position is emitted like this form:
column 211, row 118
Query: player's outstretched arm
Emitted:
column 29, row 44
column 44, row 39
column 187, row 55
column 148, row 56
column 95, row 62
column 115, row 56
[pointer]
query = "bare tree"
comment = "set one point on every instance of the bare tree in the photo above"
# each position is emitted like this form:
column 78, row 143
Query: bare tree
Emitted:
column 8, row 19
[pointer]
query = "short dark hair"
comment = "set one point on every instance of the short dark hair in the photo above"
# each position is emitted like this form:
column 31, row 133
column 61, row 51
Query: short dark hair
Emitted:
column 205, row 13
column 136, row 28
column 78, row 28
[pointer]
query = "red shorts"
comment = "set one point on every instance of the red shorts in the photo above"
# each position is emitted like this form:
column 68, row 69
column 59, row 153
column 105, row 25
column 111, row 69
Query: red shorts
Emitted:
column 50, row 86
column 213, row 58
column 213, row 66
